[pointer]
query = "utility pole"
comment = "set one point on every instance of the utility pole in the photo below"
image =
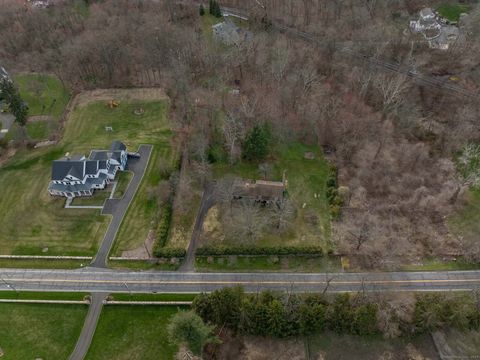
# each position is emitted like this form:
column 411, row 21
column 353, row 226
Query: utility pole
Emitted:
column 9, row 286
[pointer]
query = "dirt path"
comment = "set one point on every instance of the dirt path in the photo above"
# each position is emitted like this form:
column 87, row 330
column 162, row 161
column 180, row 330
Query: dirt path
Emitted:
column 146, row 94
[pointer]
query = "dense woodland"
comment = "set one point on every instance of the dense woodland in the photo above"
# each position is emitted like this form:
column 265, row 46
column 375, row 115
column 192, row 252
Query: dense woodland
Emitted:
column 395, row 141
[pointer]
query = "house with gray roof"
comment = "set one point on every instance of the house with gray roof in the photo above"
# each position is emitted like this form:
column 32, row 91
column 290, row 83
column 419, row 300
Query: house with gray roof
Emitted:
column 77, row 175
column 229, row 33
column 435, row 29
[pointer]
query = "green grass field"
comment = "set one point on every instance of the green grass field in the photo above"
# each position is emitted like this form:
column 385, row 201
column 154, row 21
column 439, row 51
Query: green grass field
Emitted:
column 452, row 12
column 32, row 295
column 42, row 263
column 123, row 179
column 306, row 178
column 32, row 331
column 133, row 333
column 44, row 221
column 38, row 129
column 141, row 265
column 45, row 95
column 143, row 210
column 466, row 222
column 153, row 297
column 97, row 199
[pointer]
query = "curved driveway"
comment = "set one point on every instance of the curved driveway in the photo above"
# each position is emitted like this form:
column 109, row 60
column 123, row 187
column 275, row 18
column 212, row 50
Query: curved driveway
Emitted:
column 118, row 207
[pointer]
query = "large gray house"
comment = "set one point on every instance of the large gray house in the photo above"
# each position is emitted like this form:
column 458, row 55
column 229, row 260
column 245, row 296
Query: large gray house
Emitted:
column 76, row 175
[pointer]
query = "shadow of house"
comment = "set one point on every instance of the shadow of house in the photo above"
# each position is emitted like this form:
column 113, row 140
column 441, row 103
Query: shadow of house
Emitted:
column 260, row 191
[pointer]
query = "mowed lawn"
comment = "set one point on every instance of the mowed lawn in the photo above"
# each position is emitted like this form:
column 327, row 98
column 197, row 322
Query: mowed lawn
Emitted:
column 306, row 189
column 144, row 210
column 31, row 219
column 466, row 221
column 46, row 331
column 45, row 95
column 130, row 332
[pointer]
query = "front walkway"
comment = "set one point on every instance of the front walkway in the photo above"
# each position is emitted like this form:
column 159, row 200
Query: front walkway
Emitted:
column 68, row 202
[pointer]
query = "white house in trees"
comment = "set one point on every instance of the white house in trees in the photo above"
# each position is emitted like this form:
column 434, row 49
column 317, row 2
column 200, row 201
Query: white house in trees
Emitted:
column 76, row 175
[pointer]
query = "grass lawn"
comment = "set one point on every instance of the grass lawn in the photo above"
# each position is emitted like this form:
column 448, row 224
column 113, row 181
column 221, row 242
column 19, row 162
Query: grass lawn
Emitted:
column 342, row 347
column 141, row 265
column 97, row 199
column 267, row 263
column 143, row 211
column 466, row 222
column 32, row 295
column 38, row 129
column 306, row 189
column 439, row 265
column 133, row 333
column 31, row 331
column 153, row 297
column 45, row 95
column 24, row 180
column 42, row 263
column 452, row 12
column 123, row 179
column 207, row 21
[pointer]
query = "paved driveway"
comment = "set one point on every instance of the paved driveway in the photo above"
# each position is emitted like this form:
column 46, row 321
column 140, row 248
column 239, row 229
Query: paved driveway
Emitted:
column 118, row 207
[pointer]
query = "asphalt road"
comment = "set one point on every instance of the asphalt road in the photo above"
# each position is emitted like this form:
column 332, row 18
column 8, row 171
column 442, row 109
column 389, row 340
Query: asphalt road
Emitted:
column 103, row 281
column 118, row 207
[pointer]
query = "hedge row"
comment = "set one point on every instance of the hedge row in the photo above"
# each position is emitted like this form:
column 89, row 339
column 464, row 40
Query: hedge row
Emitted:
column 163, row 228
column 333, row 198
column 170, row 252
column 218, row 250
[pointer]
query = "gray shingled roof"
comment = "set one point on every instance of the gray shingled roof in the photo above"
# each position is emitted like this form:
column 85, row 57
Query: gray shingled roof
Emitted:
column 118, row 145
column 91, row 167
column 105, row 155
column 61, row 168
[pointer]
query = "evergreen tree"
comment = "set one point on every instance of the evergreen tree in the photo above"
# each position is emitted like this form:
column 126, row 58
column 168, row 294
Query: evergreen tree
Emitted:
column 15, row 103
column 202, row 10
column 217, row 10
column 365, row 320
column 210, row 6
column 187, row 328
column 276, row 319
column 257, row 143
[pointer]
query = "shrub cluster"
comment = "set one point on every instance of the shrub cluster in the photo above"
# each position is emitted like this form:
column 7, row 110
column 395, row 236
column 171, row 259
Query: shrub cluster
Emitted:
column 283, row 315
column 334, row 200
column 433, row 311
column 170, row 252
column 219, row 250
column 163, row 228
